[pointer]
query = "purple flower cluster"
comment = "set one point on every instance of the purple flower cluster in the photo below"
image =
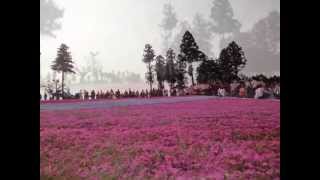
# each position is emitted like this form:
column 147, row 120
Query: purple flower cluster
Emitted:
column 210, row 139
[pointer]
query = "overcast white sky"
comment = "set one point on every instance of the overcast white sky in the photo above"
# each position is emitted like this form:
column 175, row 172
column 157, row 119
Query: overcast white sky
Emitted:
column 119, row 29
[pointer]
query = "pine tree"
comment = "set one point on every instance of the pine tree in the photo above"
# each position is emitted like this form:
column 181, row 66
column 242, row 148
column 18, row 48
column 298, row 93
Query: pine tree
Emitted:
column 261, row 44
column 208, row 72
column 231, row 61
column 160, row 71
column 180, row 72
column 201, row 31
column 183, row 27
column 170, row 71
column 222, row 18
column 190, row 71
column 82, row 72
column 266, row 33
column 169, row 22
column 94, row 66
column 148, row 58
column 189, row 52
column 63, row 63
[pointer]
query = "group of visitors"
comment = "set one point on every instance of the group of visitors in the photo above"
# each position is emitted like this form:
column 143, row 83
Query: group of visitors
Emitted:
column 243, row 89
column 248, row 89
column 111, row 94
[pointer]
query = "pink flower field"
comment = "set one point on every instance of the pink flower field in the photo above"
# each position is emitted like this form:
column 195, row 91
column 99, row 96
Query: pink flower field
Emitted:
column 218, row 139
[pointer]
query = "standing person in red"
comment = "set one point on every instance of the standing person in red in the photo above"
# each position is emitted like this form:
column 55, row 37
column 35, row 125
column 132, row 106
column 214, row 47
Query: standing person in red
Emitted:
column 242, row 91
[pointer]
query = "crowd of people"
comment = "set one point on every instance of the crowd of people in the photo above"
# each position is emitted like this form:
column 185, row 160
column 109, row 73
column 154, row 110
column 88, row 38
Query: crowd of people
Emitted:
column 248, row 89
column 242, row 89
column 109, row 94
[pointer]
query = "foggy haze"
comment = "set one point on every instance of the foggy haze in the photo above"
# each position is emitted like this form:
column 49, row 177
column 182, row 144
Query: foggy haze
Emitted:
column 118, row 30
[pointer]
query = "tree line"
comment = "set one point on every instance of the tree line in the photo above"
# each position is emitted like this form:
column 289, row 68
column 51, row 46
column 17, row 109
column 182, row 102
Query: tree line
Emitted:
column 173, row 68
column 85, row 75
column 261, row 42
column 219, row 25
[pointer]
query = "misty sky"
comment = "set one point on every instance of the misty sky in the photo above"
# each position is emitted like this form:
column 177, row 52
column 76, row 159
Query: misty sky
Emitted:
column 119, row 29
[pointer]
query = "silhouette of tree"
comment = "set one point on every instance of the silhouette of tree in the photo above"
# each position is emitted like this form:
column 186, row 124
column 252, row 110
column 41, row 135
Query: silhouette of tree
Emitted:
column 82, row 72
column 52, row 88
column 73, row 78
column 148, row 58
column 231, row 61
column 160, row 71
column 132, row 77
column 201, row 31
column 222, row 18
column 54, row 75
column 48, row 77
column 180, row 72
column 208, row 71
column 170, row 68
column 183, row 26
column 262, row 44
column 63, row 63
column 190, row 71
column 266, row 33
column 168, row 23
column 100, row 74
column 260, row 77
column 49, row 14
column 94, row 66
column 189, row 52
column 88, row 78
